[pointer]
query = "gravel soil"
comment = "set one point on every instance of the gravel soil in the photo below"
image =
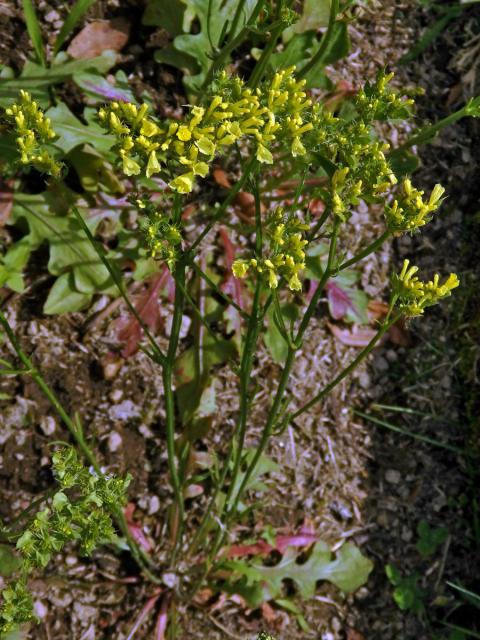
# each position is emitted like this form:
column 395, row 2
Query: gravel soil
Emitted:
column 341, row 474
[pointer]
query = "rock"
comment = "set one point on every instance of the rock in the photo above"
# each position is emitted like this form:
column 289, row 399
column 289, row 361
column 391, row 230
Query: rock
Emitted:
column 48, row 424
column 125, row 411
column 40, row 609
column 51, row 16
column 392, row 476
column 153, row 505
column 114, row 441
column 116, row 396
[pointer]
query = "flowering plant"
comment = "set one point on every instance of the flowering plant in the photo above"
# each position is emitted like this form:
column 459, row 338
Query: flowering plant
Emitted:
column 277, row 129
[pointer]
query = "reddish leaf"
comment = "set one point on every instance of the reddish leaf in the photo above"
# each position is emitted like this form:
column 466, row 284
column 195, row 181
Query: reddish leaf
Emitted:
column 377, row 310
column 300, row 540
column 6, row 202
column 355, row 337
column 316, row 206
column 257, row 549
column 339, row 300
column 268, row 613
column 135, row 529
column 282, row 542
column 147, row 306
column 398, row 334
column 97, row 37
column 231, row 286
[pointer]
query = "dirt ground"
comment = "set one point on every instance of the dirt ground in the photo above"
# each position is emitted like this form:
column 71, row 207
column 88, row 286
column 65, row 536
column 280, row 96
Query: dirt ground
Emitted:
column 348, row 477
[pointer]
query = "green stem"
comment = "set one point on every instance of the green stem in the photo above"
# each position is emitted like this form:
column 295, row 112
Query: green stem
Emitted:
column 353, row 365
column 138, row 554
column 279, row 395
column 259, row 69
column 426, row 134
column 255, row 321
column 218, row 291
column 373, row 246
column 221, row 210
column 159, row 355
column 179, row 514
column 318, row 57
column 236, row 41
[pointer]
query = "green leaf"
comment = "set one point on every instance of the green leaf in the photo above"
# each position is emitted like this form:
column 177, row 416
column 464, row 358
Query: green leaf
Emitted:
column 315, row 15
column 99, row 89
column 72, row 132
column 338, row 47
column 212, row 19
column 63, row 297
column 33, row 28
column 274, row 341
column 94, row 171
column 9, row 562
column 403, row 162
column 168, row 16
column 296, row 52
column 348, row 571
column 74, row 15
column 35, row 79
column 430, row 538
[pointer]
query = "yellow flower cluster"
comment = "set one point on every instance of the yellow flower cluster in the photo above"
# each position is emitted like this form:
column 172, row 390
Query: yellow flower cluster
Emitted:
column 414, row 295
column 33, row 130
column 286, row 258
column 279, row 111
column 409, row 211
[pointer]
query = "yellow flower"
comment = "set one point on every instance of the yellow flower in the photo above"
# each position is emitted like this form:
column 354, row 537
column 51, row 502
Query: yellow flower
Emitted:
column 130, row 167
column 153, row 166
column 240, row 268
column 184, row 134
column 264, row 155
column 183, row 183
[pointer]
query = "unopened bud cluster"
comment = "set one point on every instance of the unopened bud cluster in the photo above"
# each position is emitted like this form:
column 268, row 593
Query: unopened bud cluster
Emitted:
column 33, row 131
column 162, row 235
column 85, row 519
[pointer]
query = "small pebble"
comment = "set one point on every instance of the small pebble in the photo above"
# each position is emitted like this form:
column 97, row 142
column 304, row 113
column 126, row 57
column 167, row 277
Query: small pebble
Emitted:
column 154, row 505
column 48, row 425
column 116, row 396
column 393, row 476
column 51, row 16
column 40, row 609
column 114, row 441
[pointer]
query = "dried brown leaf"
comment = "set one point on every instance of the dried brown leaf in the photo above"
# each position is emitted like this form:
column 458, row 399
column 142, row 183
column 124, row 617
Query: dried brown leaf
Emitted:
column 97, row 37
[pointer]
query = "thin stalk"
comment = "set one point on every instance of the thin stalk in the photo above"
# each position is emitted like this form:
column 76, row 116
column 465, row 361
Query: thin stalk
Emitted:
column 320, row 222
column 334, row 9
column 226, row 203
column 255, row 320
column 259, row 69
column 373, row 246
column 159, row 355
column 353, row 365
column 179, row 511
column 218, row 291
column 141, row 558
column 278, row 400
column 236, row 41
column 425, row 134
